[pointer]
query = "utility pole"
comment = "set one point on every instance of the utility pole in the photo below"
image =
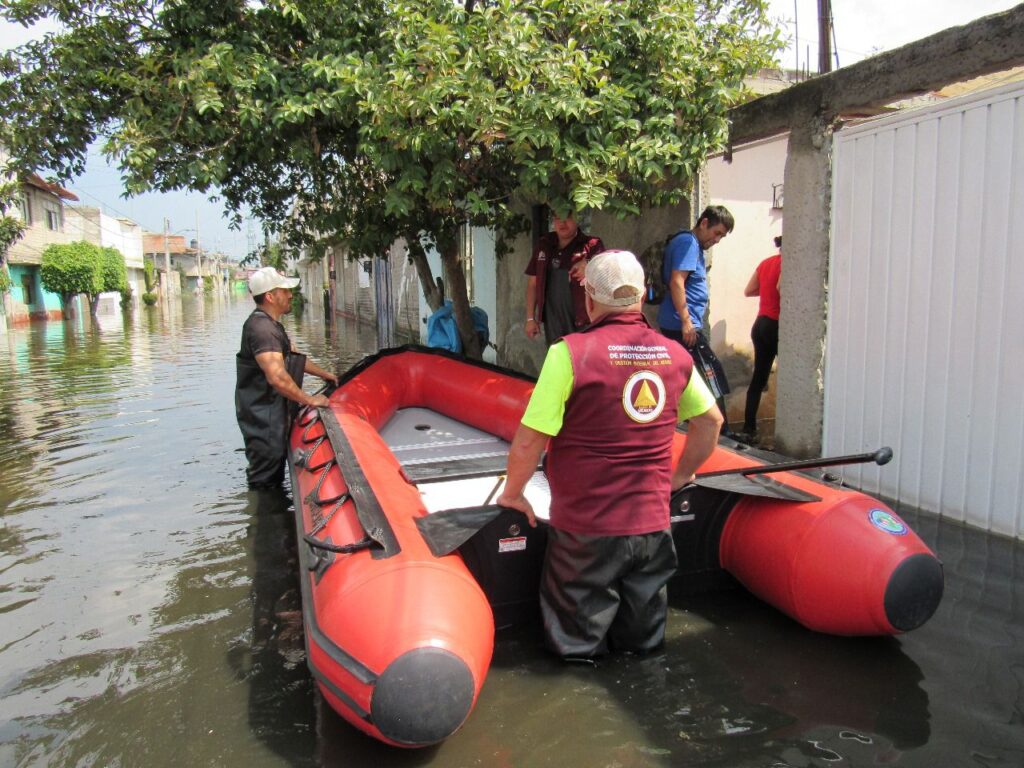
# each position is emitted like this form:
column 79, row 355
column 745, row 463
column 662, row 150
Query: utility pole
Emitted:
column 199, row 255
column 167, row 258
column 824, row 36
column 796, row 38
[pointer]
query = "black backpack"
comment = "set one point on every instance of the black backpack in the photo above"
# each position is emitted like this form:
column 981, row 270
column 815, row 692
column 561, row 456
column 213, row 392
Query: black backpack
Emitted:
column 653, row 262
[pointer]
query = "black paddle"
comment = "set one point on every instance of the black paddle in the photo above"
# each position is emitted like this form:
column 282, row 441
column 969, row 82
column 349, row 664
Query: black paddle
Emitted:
column 880, row 457
column 748, row 480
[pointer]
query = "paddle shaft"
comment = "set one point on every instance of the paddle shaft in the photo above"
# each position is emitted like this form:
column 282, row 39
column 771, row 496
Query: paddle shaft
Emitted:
column 880, row 457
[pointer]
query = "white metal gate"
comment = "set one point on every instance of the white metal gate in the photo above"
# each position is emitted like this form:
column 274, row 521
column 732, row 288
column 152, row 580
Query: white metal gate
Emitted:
column 925, row 345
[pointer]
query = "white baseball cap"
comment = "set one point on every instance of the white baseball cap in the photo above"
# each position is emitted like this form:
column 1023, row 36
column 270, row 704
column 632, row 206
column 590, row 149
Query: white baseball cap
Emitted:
column 267, row 279
column 611, row 270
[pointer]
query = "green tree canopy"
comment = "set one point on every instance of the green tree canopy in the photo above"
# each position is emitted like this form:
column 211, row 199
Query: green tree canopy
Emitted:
column 82, row 267
column 358, row 121
column 114, row 272
column 71, row 269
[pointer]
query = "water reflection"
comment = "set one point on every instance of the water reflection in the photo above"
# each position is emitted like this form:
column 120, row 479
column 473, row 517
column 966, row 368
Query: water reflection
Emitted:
column 149, row 609
column 272, row 658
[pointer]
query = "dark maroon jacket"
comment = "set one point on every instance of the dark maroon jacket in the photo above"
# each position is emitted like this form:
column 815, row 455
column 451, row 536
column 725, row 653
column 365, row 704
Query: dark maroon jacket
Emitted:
column 582, row 246
column 610, row 467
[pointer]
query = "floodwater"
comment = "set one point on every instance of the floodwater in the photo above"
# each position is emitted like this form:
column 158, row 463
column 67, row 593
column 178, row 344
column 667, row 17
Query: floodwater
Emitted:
column 149, row 608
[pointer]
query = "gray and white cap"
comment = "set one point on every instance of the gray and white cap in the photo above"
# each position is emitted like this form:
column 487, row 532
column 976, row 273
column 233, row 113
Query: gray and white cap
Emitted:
column 611, row 271
column 267, row 279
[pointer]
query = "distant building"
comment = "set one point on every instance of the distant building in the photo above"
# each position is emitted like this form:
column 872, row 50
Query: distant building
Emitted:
column 187, row 258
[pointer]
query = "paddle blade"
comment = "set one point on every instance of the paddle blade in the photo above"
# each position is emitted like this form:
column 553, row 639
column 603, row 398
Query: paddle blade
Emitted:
column 755, row 485
column 448, row 530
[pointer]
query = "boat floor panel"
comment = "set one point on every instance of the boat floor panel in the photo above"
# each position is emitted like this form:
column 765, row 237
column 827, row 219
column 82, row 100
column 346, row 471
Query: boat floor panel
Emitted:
column 432, row 446
column 453, row 464
column 480, row 491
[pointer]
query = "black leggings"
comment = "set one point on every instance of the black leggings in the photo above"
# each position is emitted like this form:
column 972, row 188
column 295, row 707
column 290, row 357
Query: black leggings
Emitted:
column 765, row 335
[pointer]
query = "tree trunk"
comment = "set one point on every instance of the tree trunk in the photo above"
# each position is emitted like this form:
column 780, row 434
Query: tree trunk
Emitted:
column 418, row 256
column 455, row 282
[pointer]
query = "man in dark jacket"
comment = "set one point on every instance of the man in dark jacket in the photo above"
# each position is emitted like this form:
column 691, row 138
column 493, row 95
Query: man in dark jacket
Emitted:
column 554, row 279
column 270, row 371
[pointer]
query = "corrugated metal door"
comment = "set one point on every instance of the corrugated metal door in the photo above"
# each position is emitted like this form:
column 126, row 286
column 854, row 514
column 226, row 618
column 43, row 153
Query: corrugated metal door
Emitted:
column 925, row 345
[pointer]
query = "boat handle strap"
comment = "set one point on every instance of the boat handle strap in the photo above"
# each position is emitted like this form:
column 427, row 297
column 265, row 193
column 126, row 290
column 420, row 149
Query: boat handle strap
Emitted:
column 343, row 549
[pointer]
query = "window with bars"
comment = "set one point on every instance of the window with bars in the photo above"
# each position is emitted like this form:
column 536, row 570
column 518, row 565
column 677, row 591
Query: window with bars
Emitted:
column 28, row 290
column 54, row 216
column 25, row 209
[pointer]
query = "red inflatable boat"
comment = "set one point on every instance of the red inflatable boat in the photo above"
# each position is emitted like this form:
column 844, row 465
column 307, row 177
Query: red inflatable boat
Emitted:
column 408, row 565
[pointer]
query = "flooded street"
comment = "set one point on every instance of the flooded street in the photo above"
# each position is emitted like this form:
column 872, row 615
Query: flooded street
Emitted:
column 149, row 610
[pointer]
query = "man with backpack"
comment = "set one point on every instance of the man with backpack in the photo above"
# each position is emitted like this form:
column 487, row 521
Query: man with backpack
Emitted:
column 681, row 314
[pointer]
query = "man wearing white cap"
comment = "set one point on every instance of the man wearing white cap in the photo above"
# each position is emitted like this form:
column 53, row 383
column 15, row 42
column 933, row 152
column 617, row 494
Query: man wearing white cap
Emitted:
column 606, row 406
column 269, row 380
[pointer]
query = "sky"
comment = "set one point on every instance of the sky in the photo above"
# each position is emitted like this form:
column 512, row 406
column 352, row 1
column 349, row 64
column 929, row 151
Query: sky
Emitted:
column 862, row 27
column 865, row 27
column 100, row 187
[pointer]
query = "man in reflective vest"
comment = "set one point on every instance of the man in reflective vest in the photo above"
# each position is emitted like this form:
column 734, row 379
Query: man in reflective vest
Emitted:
column 270, row 372
column 608, row 400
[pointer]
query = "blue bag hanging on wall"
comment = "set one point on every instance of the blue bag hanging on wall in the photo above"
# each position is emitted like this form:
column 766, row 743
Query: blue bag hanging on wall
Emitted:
column 442, row 333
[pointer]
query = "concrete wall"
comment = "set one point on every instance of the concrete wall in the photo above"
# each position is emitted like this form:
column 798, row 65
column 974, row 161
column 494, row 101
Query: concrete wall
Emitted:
column 37, row 236
column 744, row 186
column 485, row 287
column 94, row 226
column 515, row 349
column 355, row 292
column 27, row 285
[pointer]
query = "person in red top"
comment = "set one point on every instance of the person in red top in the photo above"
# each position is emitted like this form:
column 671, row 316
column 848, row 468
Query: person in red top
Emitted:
column 608, row 399
column 764, row 333
column 554, row 287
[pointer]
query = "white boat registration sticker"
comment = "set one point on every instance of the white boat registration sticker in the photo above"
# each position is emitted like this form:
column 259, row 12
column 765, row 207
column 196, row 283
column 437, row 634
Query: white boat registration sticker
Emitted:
column 517, row 544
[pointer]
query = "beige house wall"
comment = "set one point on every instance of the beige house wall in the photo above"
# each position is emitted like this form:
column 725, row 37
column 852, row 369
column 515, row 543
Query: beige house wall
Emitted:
column 37, row 236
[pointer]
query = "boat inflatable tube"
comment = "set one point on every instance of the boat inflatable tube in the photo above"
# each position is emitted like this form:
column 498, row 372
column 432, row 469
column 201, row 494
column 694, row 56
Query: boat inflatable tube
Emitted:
column 847, row 565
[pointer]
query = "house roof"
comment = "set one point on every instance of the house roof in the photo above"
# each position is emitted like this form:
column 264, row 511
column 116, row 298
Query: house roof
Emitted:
column 37, row 181
column 153, row 242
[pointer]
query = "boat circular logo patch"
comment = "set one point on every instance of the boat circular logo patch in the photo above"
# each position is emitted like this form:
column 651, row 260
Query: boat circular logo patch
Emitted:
column 643, row 397
column 887, row 522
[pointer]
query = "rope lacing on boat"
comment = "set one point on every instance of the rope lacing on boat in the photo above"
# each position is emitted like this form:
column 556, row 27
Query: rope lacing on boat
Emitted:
column 314, row 498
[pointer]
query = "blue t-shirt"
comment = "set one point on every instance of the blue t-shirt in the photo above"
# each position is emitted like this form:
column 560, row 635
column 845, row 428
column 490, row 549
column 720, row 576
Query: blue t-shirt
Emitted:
column 684, row 254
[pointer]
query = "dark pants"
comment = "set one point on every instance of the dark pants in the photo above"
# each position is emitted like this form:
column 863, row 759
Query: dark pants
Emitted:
column 266, row 462
column 264, row 418
column 601, row 593
column 264, row 427
column 707, row 364
column 765, row 335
